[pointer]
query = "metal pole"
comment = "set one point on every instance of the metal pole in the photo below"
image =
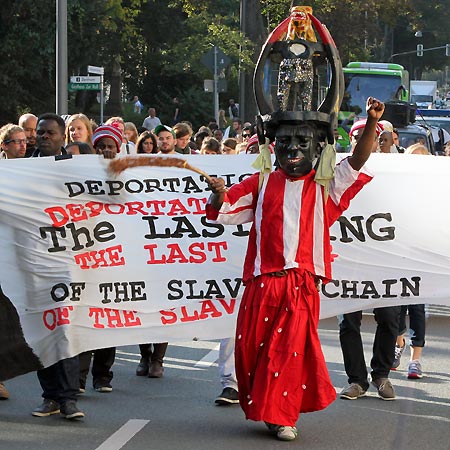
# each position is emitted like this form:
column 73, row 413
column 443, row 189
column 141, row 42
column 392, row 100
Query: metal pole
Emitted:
column 61, row 57
column 101, row 99
column 216, row 86
column 241, row 71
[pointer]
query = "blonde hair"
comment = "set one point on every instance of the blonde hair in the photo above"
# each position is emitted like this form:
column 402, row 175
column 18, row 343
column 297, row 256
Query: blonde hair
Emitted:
column 85, row 120
column 130, row 126
column 417, row 149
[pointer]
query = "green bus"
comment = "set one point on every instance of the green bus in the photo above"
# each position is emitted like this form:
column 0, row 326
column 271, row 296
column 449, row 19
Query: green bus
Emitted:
column 385, row 81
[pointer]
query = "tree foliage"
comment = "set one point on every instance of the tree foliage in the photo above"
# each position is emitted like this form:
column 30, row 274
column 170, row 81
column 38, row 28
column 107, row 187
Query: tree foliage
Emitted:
column 157, row 45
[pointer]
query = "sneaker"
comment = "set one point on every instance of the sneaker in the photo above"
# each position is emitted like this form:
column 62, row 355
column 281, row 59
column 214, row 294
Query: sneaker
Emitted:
column 229, row 396
column 284, row 433
column 47, row 408
column 70, row 410
column 156, row 370
column 4, row 394
column 415, row 370
column 143, row 368
column 398, row 354
column 287, row 433
column 353, row 391
column 384, row 388
column 103, row 387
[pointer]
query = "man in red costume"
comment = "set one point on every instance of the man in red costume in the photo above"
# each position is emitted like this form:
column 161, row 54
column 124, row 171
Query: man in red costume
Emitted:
column 280, row 366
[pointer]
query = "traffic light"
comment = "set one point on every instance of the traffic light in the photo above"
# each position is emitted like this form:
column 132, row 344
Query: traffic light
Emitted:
column 447, row 49
column 419, row 49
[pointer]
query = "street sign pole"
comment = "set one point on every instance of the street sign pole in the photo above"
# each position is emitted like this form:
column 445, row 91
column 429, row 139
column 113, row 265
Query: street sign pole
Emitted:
column 61, row 57
column 215, row 60
column 101, row 99
column 216, row 86
column 99, row 71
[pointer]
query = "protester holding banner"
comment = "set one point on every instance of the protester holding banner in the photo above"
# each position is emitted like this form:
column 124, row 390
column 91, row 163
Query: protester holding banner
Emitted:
column 59, row 381
column 416, row 314
column 385, row 336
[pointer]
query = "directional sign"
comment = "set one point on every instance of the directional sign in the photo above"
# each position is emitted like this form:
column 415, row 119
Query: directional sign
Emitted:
column 208, row 85
column 84, row 86
column 222, row 60
column 97, row 70
column 84, row 79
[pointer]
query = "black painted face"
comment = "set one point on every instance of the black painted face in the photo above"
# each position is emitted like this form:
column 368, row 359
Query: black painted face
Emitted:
column 296, row 149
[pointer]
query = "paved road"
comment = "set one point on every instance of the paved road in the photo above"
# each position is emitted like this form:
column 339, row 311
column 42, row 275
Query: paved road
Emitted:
column 177, row 412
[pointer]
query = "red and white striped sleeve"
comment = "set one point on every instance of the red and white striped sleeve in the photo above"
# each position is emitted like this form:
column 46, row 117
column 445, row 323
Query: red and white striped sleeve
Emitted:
column 346, row 184
column 239, row 203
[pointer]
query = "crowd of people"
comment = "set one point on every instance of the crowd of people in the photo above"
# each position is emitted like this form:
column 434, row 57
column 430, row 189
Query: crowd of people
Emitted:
column 62, row 383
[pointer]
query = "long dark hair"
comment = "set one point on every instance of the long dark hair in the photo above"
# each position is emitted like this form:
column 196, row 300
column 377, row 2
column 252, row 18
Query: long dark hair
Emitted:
column 143, row 137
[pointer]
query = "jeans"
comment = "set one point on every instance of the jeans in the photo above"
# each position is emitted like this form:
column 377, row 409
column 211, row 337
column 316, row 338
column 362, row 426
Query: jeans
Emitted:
column 416, row 324
column 60, row 381
column 227, row 369
column 383, row 345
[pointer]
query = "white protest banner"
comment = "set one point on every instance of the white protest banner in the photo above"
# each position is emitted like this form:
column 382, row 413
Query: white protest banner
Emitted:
column 90, row 260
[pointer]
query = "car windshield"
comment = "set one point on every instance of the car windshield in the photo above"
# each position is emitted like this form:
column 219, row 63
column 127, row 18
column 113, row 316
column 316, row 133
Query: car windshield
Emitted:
column 360, row 86
column 409, row 138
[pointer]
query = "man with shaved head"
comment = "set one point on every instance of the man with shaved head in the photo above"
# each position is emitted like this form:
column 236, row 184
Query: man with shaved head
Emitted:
column 28, row 122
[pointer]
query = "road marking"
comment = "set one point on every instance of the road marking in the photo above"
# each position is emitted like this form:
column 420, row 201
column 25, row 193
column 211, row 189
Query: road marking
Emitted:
column 210, row 358
column 125, row 433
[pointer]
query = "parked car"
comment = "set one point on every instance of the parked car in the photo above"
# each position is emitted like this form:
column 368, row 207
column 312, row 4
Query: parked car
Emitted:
column 435, row 121
column 415, row 133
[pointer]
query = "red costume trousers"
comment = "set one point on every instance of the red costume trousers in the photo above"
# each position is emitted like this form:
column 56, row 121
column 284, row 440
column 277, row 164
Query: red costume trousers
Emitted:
column 280, row 366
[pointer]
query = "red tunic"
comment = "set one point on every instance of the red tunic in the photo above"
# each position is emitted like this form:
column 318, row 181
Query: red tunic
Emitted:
column 280, row 366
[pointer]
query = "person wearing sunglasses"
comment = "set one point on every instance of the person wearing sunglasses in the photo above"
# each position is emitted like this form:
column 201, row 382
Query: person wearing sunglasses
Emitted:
column 13, row 141
column 246, row 134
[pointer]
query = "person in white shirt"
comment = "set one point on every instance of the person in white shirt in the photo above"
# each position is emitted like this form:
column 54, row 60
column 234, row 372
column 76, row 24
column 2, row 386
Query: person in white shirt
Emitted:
column 151, row 122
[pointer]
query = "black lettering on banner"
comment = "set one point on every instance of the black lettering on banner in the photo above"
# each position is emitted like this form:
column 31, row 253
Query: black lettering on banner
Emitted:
column 210, row 234
column 74, row 188
column 191, row 186
column 174, row 286
column 103, row 232
column 53, row 230
column 346, row 228
column 61, row 291
column 389, row 232
column 213, row 289
column 172, row 183
column 240, row 232
column 152, row 186
column 122, row 291
column 368, row 289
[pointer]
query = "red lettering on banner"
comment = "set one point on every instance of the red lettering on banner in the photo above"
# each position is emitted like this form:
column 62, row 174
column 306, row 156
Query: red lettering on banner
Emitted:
column 56, row 317
column 114, row 318
column 168, row 316
column 228, row 308
column 177, row 208
column 77, row 212
column 196, row 253
column 186, row 317
column 198, row 203
column 108, row 257
column 200, row 311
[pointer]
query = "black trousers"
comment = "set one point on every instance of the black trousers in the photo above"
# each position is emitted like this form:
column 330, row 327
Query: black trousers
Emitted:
column 156, row 354
column 103, row 359
column 60, row 381
column 383, row 345
column 417, row 324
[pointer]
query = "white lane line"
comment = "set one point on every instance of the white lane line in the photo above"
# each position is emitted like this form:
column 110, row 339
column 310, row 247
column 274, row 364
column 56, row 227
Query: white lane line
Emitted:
column 166, row 364
column 125, row 433
column 210, row 358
